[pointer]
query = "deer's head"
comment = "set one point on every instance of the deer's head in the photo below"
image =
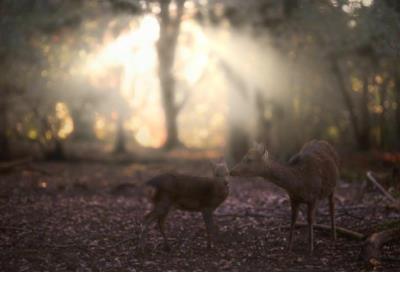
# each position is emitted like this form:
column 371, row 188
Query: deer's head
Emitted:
column 220, row 169
column 253, row 163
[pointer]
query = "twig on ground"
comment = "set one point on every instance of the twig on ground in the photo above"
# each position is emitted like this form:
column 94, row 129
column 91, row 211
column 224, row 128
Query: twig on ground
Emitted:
column 339, row 230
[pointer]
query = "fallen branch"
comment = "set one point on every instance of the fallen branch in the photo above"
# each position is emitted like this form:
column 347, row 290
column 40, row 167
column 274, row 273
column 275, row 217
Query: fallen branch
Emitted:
column 38, row 170
column 7, row 166
column 371, row 250
column 394, row 206
column 379, row 186
column 339, row 230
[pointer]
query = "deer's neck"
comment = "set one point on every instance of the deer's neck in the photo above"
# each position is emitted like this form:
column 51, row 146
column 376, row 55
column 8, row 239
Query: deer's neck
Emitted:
column 281, row 175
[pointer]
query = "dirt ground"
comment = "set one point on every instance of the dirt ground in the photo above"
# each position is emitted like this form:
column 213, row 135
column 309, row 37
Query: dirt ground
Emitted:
column 85, row 217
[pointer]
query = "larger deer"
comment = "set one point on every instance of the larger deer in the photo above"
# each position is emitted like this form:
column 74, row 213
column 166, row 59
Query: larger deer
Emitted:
column 309, row 176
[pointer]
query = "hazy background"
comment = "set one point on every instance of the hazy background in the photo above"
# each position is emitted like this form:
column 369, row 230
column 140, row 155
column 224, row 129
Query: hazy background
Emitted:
column 86, row 77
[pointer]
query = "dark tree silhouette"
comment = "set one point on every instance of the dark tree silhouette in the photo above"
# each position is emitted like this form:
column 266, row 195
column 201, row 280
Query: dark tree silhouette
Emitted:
column 166, row 48
column 4, row 142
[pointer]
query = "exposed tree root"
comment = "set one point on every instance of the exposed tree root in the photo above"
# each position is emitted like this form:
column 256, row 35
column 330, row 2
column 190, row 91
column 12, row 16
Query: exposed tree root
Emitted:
column 371, row 251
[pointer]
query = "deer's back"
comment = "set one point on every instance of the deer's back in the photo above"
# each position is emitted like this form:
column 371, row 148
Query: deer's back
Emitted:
column 318, row 163
column 189, row 192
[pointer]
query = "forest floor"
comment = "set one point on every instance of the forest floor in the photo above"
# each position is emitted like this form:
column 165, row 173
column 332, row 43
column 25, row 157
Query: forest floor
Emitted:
column 82, row 216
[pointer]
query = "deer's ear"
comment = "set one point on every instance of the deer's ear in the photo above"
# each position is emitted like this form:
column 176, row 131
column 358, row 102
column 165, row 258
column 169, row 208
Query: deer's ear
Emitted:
column 265, row 156
column 260, row 147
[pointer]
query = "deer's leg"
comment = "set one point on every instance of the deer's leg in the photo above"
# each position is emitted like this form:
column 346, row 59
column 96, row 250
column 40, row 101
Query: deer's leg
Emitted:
column 332, row 213
column 162, row 208
column 295, row 213
column 148, row 219
column 310, row 220
column 208, row 220
column 161, row 227
column 159, row 212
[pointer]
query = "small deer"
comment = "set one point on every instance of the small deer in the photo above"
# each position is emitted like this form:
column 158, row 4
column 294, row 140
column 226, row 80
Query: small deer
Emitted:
column 189, row 193
column 309, row 176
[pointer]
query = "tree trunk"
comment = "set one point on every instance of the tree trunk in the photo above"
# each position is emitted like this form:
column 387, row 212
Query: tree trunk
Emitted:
column 52, row 150
column 238, row 142
column 83, row 127
column 394, row 4
column 361, row 139
column 170, row 111
column 56, row 152
column 364, row 142
column 397, row 97
column 4, row 142
column 169, row 31
column 263, row 132
column 289, row 6
column 382, row 119
column 120, row 141
column 5, row 152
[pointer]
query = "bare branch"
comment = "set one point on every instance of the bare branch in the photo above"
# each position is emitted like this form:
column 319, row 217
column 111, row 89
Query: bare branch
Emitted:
column 380, row 187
